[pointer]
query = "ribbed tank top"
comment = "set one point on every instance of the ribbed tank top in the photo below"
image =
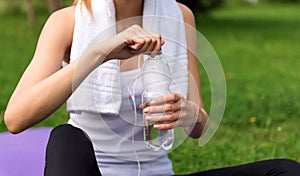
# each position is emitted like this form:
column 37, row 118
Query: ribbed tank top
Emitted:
column 111, row 136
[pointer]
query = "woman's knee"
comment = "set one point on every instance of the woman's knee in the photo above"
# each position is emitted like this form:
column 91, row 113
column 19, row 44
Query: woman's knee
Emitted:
column 65, row 130
column 68, row 135
column 70, row 152
column 287, row 165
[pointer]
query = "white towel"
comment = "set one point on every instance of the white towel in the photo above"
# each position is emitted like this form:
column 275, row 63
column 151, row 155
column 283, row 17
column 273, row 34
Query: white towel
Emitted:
column 100, row 92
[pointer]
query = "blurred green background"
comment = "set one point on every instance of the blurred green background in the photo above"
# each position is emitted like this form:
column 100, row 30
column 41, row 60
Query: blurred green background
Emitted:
column 258, row 43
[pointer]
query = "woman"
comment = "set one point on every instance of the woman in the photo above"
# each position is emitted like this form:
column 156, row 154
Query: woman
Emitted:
column 45, row 87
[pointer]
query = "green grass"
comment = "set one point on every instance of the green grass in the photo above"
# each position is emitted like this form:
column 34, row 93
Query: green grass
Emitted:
column 258, row 47
column 17, row 44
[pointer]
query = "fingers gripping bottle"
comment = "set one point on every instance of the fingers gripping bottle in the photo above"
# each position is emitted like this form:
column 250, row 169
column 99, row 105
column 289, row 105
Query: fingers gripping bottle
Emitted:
column 156, row 77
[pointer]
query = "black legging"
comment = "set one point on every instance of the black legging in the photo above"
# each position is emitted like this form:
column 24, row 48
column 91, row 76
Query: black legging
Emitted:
column 70, row 153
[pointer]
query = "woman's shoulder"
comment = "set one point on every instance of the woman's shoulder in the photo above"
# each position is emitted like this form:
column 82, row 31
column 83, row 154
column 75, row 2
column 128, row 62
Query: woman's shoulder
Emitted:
column 65, row 15
column 187, row 13
column 62, row 22
column 59, row 28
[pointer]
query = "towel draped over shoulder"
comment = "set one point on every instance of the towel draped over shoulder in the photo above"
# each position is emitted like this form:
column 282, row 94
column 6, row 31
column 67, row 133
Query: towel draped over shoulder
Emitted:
column 100, row 92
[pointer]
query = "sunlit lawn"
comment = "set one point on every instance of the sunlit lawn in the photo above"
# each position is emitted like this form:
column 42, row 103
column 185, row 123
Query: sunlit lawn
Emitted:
column 258, row 47
column 259, row 50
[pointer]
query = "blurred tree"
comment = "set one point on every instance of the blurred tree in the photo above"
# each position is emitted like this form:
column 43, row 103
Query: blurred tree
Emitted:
column 287, row 1
column 54, row 5
column 30, row 12
column 12, row 6
column 202, row 6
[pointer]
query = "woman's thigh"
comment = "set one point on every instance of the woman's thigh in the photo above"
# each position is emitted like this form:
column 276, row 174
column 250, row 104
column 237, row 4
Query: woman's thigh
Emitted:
column 275, row 167
column 70, row 152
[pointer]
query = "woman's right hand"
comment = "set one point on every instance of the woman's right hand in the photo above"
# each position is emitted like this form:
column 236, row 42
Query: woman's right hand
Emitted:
column 134, row 40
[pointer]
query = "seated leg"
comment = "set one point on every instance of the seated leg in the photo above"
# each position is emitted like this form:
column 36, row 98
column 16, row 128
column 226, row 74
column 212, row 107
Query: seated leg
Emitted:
column 70, row 152
column 276, row 167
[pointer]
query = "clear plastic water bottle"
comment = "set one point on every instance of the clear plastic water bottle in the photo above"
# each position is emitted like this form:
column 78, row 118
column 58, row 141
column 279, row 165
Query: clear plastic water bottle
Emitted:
column 156, row 79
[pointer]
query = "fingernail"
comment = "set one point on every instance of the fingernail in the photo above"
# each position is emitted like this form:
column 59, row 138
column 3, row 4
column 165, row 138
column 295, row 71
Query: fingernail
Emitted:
column 148, row 117
column 152, row 55
column 146, row 110
column 152, row 102
column 156, row 126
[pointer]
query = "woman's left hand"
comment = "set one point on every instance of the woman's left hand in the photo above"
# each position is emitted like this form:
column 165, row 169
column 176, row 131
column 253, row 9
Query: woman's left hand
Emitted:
column 178, row 112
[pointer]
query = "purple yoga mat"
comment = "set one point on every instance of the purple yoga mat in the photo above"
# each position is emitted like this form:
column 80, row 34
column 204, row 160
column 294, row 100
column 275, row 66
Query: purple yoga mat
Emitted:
column 23, row 154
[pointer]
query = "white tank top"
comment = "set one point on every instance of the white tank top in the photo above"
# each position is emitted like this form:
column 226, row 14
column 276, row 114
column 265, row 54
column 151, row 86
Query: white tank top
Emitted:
column 111, row 136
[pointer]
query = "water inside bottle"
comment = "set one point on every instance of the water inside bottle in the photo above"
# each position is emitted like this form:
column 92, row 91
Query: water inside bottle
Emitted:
column 155, row 138
column 155, row 77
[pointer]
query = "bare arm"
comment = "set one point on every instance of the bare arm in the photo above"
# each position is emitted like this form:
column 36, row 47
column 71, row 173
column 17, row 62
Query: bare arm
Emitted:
column 34, row 93
column 44, row 87
column 202, row 118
